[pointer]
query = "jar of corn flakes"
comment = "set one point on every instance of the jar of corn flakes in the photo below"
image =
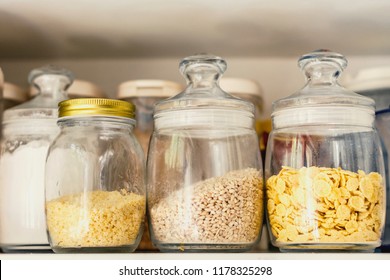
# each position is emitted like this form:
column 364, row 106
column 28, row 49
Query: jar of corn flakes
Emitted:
column 95, row 192
column 204, row 173
column 324, row 165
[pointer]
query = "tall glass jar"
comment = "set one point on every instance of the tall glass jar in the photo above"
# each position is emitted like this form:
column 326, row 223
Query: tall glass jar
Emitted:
column 95, row 190
column 324, row 165
column 204, row 170
column 28, row 130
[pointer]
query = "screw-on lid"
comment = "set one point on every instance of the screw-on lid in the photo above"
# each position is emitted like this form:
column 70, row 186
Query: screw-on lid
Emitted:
column 370, row 79
column 96, row 107
column 14, row 92
column 148, row 88
column 240, row 86
column 323, row 100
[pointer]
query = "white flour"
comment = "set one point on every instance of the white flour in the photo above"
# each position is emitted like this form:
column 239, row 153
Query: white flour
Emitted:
column 22, row 195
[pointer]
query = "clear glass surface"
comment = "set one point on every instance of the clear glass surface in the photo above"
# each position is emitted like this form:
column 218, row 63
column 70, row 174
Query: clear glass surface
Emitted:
column 28, row 130
column 95, row 189
column 204, row 171
column 324, row 165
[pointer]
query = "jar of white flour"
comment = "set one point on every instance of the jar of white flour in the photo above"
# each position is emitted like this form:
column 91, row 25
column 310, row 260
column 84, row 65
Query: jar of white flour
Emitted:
column 28, row 130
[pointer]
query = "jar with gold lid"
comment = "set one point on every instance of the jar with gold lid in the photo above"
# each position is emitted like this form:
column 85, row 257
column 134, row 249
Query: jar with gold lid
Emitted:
column 95, row 193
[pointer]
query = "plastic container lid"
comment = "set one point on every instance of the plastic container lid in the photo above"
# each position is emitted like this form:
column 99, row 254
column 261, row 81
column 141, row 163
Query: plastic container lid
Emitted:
column 14, row 92
column 84, row 88
column 148, row 88
column 370, row 79
column 241, row 86
column 79, row 88
column 323, row 100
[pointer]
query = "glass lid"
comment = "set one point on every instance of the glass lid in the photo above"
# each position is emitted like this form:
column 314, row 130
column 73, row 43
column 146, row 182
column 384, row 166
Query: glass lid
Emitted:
column 203, row 102
column 202, row 73
column 322, row 99
column 52, row 83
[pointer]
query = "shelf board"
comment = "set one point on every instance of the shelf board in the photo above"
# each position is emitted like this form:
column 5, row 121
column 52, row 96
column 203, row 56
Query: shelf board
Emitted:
column 153, row 28
column 200, row 256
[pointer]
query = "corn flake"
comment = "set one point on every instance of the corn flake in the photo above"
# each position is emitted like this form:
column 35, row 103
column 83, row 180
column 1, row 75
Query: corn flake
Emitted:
column 325, row 205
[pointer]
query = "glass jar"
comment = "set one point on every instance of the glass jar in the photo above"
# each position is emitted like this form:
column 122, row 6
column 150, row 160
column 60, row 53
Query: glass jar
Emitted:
column 95, row 190
column 144, row 94
column 324, row 165
column 204, row 172
column 28, row 130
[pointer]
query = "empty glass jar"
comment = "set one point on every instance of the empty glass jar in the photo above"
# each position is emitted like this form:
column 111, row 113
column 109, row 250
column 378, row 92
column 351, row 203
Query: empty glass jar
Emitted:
column 28, row 130
column 95, row 190
column 204, row 170
column 324, row 165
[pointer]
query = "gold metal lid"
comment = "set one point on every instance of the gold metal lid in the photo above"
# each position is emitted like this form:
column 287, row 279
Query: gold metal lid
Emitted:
column 96, row 106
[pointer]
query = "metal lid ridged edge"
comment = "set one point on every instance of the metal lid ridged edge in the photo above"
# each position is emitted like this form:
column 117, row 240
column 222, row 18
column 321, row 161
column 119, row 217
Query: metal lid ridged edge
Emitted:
column 96, row 106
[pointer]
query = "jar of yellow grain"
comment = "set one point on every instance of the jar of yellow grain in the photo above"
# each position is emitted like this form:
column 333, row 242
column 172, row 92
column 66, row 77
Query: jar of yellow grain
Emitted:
column 95, row 192
column 324, row 165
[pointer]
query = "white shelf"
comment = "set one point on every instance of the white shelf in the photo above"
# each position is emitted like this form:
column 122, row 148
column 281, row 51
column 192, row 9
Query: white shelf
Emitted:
column 200, row 256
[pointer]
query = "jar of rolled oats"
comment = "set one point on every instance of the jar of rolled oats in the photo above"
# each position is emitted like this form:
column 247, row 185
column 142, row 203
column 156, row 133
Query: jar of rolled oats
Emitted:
column 204, row 172
column 324, row 165
column 95, row 191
